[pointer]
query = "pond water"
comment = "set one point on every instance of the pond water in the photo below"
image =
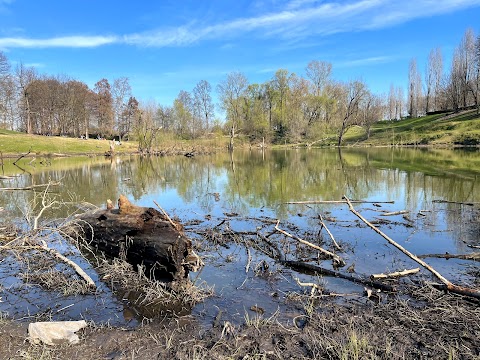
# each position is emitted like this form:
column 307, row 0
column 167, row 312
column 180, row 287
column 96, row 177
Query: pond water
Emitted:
column 439, row 190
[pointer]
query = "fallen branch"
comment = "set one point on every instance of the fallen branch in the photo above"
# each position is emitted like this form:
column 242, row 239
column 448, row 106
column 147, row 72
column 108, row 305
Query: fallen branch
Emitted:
column 448, row 285
column 329, row 233
column 395, row 274
column 337, row 260
column 166, row 215
column 339, row 202
column 306, row 268
column 473, row 256
column 66, row 260
column 21, row 157
column 31, row 187
column 395, row 213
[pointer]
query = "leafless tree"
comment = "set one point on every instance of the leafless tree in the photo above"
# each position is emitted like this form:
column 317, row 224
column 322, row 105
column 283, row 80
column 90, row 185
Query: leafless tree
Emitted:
column 230, row 92
column 354, row 93
column 433, row 78
column 121, row 93
column 318, row 72
column 203, row 102
column 24, row 77
column 414, row 90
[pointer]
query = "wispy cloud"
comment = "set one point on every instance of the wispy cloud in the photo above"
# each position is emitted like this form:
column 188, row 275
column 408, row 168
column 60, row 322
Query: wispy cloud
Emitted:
column 297, row 20
column 64, row 41
column 364, row 61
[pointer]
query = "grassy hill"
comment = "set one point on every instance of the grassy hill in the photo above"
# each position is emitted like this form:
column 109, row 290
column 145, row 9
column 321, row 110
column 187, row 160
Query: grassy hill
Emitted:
column 441, row 129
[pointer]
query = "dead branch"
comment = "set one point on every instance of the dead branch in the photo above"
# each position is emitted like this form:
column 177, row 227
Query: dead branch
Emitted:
column 78, row 269
column 329, row 233
column 337, row 260
column 472, row 256
column 339, row 202
column 395, row 274
column 166, row 215
column 395, row 213
column 306, row 268
column 449, row 286
column 21, row 157
column 31, row 187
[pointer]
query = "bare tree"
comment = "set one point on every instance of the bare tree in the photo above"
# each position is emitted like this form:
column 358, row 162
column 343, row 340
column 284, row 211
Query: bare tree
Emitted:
column 433, row 78
column 414, row 90
column 24, row 78
column 104, row 107
column 373, row 108
column 318, row 72
column 354, row 93
column 230, row 92
column 203, row 102
column 121, row 93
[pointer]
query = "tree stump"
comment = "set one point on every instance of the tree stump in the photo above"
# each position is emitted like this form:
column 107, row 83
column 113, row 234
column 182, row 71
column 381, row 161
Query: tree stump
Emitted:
column 142, row 236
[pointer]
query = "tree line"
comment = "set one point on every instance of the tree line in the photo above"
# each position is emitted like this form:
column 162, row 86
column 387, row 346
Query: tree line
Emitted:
column 287, row 108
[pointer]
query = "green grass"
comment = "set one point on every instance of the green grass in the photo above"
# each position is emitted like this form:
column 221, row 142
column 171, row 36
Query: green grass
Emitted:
column 12, row 142
column 439, row 129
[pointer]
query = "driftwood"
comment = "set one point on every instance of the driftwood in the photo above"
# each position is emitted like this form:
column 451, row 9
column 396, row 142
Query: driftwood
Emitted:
column 473, row 256
column 447, row 284
column 306, row 268
column 31, row 187
column 395, row 274
column 338, row 202
column 395, row 213
column 143, row 236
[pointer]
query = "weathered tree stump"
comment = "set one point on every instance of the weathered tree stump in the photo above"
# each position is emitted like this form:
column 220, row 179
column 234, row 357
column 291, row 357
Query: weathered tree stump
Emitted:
column 143, row 236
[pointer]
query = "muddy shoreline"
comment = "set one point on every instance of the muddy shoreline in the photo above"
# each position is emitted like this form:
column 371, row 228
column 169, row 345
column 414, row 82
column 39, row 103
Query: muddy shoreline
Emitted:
column 438, row 326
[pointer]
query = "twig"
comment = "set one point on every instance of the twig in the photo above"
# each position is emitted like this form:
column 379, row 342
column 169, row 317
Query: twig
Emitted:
column 329, row 233
column 395, row 274
column 449, row 286
column 312, row 285
column 166, row 215
column 337, row 260
column 339, row 202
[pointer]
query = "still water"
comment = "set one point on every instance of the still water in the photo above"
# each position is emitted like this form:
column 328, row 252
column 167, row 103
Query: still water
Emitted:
column 439, row 189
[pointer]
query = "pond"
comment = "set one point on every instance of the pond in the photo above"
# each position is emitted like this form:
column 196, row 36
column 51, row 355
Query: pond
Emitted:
column 436, row 191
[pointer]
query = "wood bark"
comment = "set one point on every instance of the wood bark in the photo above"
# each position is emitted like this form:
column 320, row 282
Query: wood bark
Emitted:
column 143, row 236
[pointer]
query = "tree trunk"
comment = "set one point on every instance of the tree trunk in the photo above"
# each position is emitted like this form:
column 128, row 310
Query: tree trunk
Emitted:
column 142, row 235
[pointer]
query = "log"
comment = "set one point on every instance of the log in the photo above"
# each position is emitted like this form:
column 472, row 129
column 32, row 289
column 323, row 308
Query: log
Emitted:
column 306, row 268
column 143, row 236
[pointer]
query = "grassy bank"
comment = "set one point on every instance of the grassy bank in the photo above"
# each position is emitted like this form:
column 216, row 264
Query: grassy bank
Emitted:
column 13, row 143
column 438, row 130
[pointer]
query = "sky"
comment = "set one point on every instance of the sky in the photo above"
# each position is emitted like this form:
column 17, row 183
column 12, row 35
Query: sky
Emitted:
column 166, row 46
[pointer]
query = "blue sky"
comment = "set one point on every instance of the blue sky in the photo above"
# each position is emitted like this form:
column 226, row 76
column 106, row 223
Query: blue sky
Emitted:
column 166, row 46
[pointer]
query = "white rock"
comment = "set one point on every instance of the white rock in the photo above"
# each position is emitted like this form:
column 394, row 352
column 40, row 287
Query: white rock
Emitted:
column 55, row 332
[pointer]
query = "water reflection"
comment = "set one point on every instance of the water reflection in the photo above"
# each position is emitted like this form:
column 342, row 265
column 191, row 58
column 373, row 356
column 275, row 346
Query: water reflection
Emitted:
column 259, row 183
